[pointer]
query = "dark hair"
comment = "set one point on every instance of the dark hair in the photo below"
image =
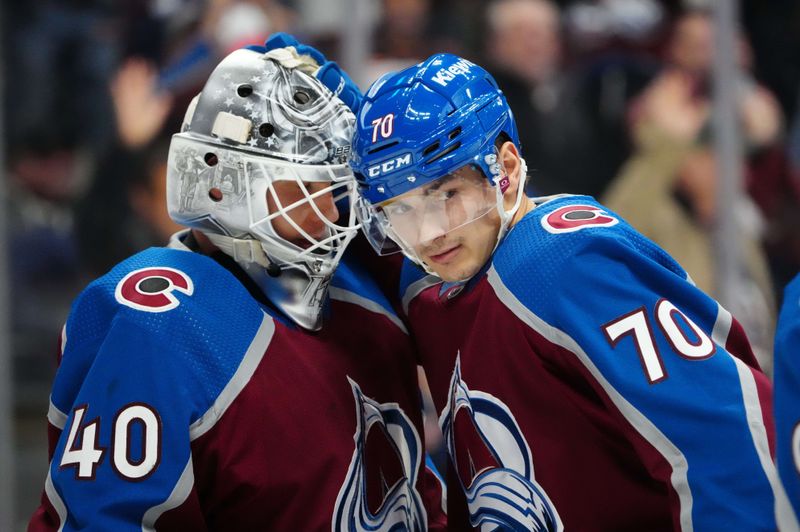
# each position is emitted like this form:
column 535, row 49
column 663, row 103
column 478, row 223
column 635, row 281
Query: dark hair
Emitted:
column 501, row 139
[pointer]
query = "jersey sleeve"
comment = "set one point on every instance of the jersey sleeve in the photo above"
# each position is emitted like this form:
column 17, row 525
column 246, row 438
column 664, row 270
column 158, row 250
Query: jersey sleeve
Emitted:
column 122, row 456
column 146, row 369
column 787, row 401
column 653, row 347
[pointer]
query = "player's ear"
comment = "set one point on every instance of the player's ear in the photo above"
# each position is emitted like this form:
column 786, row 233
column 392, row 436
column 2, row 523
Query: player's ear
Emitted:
column 509, row 159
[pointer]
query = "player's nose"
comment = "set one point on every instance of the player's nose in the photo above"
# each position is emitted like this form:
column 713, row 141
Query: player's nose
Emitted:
column 432, row 226
column 327, row 207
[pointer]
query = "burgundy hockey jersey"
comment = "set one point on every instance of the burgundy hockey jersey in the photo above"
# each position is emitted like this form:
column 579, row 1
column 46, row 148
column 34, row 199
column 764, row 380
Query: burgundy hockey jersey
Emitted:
column 584, row 383
column 182, row 403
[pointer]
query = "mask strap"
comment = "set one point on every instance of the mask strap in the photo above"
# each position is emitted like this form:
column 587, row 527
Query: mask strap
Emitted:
column 240, row 249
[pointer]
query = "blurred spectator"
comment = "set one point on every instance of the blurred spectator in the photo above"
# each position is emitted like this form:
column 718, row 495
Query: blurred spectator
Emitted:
column 402, row 31
column 140, row 106
column 565, row 112
column 667, row 190
column 408, row 31
column 197, row 45
column 59, row 60
column 232, row 24
column 124, row 210
column 526, row 41
column 56, row 59
column 774, row 29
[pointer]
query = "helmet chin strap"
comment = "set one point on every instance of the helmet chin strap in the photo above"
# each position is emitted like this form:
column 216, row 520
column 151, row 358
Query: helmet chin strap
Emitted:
column 297, row 291
column 507, row 215
column 242, row 250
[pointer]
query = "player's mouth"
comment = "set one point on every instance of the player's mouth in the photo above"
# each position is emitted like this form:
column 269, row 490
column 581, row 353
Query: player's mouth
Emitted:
column 446, row 256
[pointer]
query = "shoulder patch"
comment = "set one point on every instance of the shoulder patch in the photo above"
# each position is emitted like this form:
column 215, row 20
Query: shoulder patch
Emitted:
column 571, row 218
column 150, row 289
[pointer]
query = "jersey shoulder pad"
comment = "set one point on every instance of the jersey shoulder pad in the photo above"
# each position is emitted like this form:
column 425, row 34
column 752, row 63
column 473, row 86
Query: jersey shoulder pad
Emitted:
column 788, row 328
column 566, row 233
column 179, row 312
column 353, row 284
column 413, row 280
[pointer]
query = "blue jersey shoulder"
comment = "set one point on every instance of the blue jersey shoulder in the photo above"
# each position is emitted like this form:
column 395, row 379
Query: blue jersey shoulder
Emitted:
column 788, row 330
column 353, row 284
column 179, row 313
column 787, row 334
column 787, row 397
column 413, row 281
column 586, row 281
column 574, row 231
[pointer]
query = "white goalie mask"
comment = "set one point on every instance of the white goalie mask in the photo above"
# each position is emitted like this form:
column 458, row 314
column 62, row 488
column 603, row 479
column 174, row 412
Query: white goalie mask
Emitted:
column 260, row 166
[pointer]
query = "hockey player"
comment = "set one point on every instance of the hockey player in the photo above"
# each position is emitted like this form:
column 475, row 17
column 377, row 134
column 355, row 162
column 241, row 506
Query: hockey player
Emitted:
column 232, row 380
column 787, row 397
column 582, row 381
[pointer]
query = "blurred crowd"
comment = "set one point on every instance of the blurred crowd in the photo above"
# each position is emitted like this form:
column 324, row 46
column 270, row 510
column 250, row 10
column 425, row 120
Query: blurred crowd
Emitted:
column 612, row 98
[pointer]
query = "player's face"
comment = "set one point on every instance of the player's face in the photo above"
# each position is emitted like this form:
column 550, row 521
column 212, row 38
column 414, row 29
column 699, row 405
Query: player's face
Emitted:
column 461, row 253
column 303, row 214
column 450, row 223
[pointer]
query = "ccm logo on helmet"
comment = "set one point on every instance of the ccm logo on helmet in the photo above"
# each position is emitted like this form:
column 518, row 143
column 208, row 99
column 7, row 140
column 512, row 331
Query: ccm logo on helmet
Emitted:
column 150, row 289
column 575, row 217
column 389, row 166
column 446, row 75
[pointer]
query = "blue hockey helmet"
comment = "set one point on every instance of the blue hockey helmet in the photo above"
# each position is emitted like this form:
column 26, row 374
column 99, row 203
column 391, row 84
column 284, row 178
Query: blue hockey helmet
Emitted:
column 421, row 127
column 419, row 124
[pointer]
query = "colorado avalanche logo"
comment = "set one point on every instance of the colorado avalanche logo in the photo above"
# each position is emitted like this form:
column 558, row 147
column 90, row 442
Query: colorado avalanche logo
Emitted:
column 150, row 289
column 576, row 217
column 494, row 463
column 379, row 492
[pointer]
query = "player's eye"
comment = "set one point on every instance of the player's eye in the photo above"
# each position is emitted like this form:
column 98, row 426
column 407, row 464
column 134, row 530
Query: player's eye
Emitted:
column 398, row 209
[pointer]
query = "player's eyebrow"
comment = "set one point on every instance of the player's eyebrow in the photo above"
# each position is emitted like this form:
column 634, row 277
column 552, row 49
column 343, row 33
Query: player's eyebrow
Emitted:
column 439, row 183
column 433, row 187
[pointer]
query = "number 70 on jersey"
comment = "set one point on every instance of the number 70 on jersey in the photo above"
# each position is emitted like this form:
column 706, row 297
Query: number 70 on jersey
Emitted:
column 687, row 339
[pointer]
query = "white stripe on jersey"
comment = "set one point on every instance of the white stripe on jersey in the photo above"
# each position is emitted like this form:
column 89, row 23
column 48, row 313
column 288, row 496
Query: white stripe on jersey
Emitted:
column 55, row 499
column 416, row 288
column 722, row 327
column 786, row 520
column 639, row 421
column 340, row 294
column 63, row 339
column 56, row 417
column 179, row 494
column 239, row 380
column 784, row 516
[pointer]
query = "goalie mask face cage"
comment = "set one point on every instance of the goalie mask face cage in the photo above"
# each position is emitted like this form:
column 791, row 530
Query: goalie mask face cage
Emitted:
column 257, row 130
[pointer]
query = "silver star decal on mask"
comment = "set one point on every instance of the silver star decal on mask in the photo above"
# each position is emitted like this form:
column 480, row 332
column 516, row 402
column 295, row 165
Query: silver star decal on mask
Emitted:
column 253, row 141
column 248, row 106
column 255, row 79
column 228, row 102
column 271, row 141
column 226, row 75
